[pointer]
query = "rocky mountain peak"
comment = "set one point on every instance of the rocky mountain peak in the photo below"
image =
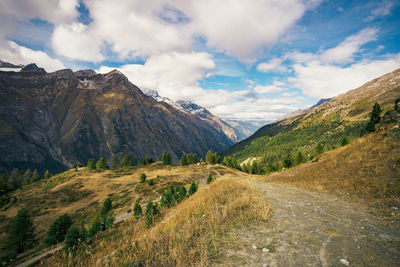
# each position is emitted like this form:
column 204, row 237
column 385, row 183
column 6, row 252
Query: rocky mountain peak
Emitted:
column 32, row 68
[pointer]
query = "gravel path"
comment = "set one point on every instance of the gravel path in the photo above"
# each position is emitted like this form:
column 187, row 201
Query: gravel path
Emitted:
column 315, row 229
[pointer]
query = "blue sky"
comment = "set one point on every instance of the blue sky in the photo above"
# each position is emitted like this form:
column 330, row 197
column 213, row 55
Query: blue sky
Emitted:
column 244, row 60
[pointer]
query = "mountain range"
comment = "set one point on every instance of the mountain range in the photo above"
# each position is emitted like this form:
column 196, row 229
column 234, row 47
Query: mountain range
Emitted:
column 54, row 120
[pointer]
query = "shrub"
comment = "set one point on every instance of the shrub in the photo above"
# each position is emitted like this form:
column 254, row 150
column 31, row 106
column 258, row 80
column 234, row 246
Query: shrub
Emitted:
column 150, row 182
column 299, row 158
column 137, row 209
column 209, row 179
column 193, row 188
column 143, row 178
column 344, row 141
column 95, row 226
column 319, row 148
column 107, row 206
column 182, row 193
column 183, row 160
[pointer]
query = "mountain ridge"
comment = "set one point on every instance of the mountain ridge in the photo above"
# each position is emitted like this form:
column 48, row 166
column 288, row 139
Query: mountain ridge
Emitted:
column 62, row 118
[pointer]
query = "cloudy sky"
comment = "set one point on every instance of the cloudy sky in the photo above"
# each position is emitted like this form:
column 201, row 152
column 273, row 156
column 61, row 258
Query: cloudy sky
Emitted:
column 248, row 60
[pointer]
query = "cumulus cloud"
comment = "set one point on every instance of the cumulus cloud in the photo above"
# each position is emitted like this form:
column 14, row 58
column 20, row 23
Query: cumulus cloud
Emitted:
column 274, row 65
column 54, row 11
column 76, row 42
column 275, row 87
column 323, row 80
column 17, row 54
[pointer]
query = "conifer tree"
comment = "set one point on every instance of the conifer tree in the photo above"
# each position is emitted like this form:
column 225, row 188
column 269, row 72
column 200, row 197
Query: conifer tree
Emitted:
column 137, row 209
column 183, row 160
column 143, row 178
column 319, row 148
column 35, row 176
column 115, row 163
column 101, row 164
column 189, row 159
column 58, row 229
column 107, row 206
column 195, row 159
column 209, row 157
column 90, row 165
column 376, row 113
column 72, row 240
column 193, row 188
column 27, row 176
column 127, row 160
column 21, row 231
column 47, row 174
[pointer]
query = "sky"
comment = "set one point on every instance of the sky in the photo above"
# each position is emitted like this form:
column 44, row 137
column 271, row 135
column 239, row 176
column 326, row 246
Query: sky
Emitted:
column 252, row 60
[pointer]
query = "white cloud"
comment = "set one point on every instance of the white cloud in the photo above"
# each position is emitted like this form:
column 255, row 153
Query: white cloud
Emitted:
column 384, row 9
column 241, row 28
column 274, row 65
column 276, row 87
column 14, row 53
column 76, row 41
column 322, row 81
column 54, row 11
column 344, row 52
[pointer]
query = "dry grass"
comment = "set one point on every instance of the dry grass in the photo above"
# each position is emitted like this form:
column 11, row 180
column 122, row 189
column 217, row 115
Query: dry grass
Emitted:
column 81, row 193
column 194, row 233
column 368, row 168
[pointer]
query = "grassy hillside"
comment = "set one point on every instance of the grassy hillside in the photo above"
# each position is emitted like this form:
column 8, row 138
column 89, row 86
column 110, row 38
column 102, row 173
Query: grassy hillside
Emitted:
column 345, row 116
column 193, row 233
column 81, row 194
column 368, row 168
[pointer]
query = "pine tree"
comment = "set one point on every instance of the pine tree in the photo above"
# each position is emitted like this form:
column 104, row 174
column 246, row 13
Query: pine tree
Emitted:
column 58, row 229
column 376, row 113
column 193, row 188
column 195, row 159
column 147, row 160
column 127, row 160
column 107, row 206
column 209, row 157
column 47, row 174
column 95, row 226
column 137, row 209
column 115, row 163
column 72, row 240
column 183, row 160
column 215, row 158
column 101, row 164
column 90, row 165
column 182, row 193
column 151, row 212
column 27, row 176
column 254, row 168
column 15, row 179
column 35, row 176
column 189, row 159
column 21, row 231
column 143, row 178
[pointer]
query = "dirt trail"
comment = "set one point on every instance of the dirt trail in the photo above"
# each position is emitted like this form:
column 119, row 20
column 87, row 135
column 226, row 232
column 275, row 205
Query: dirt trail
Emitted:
column 315, row 229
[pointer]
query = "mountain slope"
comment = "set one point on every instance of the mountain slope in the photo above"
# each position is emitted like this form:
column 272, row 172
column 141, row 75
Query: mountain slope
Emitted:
column 53, row 120
column 342, row 116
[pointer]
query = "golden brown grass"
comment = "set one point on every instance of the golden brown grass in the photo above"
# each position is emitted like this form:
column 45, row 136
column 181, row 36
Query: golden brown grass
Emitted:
column 367, row 168
column 193, row 233
column 81, row 194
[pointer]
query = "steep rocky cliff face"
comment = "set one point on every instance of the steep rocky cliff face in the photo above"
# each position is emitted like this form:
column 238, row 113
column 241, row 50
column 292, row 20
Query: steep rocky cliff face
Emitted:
column 54, row 120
